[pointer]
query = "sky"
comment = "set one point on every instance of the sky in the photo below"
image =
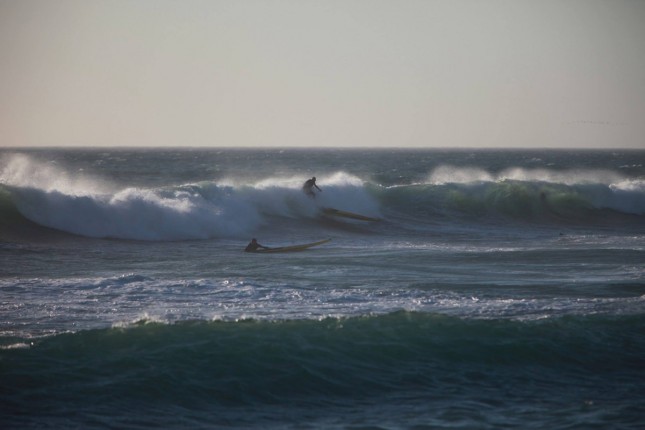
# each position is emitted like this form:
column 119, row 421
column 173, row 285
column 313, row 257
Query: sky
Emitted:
column 323, row 73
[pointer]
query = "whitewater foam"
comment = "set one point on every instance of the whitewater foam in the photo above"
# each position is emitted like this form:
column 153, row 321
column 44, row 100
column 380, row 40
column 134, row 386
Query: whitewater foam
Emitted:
column 448, row 174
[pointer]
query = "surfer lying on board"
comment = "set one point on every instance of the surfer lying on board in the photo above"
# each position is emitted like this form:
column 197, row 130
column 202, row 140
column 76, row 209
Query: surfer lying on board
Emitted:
column 308, row 187
column 254, row 245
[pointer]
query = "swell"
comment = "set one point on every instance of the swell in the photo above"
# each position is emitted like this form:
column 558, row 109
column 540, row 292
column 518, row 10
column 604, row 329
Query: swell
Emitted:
column 247, row 373
column 281, row 361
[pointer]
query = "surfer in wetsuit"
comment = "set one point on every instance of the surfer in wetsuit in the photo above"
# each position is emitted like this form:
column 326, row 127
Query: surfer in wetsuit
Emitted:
column 308, row 187
column 254, row 245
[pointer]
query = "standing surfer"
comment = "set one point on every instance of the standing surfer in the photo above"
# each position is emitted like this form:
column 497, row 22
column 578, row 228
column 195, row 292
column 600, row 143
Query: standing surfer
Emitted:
column 308, row 187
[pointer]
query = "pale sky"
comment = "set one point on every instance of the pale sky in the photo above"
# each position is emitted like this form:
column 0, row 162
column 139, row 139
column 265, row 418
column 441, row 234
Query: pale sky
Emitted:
column 316, row 73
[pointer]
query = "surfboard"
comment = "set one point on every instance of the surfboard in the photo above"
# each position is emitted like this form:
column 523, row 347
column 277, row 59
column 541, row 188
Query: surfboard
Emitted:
column 293, row 248
column 346, row 214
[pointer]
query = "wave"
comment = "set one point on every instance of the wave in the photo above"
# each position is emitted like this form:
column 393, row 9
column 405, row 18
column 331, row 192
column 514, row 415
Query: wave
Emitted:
column 191, row 211
column 50, row 197
column 247, row 362
column 391, row 368
column 524, row 194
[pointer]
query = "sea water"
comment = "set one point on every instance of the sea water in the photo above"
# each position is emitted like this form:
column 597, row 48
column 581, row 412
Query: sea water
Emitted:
column 499, row 289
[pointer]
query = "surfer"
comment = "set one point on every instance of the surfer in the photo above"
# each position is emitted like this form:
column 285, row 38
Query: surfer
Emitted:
column 308, row 187
column 254, row 245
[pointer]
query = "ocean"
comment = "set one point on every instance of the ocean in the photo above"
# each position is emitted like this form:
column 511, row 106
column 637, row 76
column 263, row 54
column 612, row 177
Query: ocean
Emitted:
column 497, row 289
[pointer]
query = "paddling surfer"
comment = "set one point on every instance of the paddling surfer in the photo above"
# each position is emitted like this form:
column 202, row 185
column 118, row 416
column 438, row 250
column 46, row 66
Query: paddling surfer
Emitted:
column 254, row 246
column 308, row 187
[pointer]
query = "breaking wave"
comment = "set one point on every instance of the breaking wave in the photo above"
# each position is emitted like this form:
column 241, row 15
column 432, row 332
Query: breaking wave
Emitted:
column 78, row 204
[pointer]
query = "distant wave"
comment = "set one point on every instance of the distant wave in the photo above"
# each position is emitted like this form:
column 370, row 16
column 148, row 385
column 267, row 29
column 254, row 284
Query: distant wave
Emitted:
column 526, row 194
